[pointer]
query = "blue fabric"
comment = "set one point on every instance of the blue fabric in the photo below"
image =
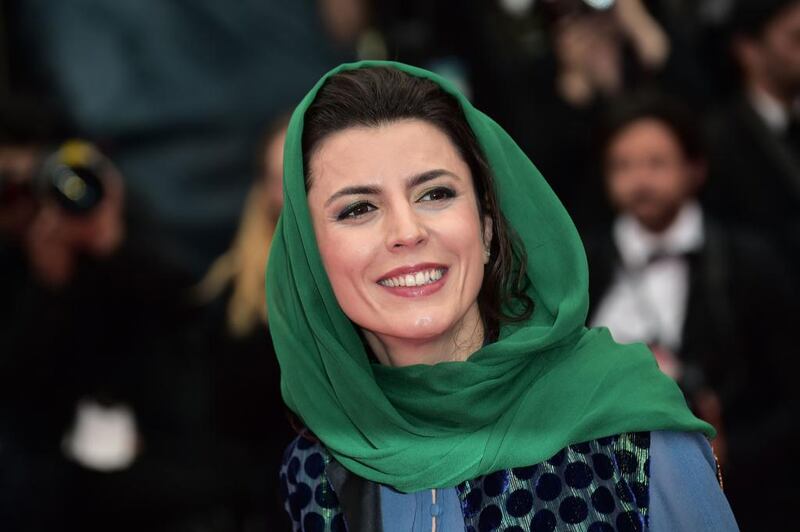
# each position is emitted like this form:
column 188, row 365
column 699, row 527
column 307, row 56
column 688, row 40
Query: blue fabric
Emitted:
column 413, row 512
column 684, row 492
column 659, row 481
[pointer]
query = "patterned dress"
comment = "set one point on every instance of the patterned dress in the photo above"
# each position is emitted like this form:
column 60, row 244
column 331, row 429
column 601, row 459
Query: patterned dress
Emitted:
column 596, row 486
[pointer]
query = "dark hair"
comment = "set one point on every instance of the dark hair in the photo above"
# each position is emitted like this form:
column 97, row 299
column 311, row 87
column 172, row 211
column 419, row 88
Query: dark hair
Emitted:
column 373, row 97
column 669, row 112
column 750, row 18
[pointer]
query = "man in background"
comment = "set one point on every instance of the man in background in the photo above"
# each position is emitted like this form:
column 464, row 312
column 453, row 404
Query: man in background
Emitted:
column 755, row 138
column 712, row 303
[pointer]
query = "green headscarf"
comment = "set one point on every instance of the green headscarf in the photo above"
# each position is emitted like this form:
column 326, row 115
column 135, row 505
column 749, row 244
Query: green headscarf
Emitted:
column 544, row 385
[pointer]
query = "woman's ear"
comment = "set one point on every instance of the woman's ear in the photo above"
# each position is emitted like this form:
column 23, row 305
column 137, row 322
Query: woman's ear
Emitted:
column 487, row 238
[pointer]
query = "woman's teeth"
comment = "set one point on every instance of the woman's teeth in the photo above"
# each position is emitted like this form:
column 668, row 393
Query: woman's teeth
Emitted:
column 418, row 279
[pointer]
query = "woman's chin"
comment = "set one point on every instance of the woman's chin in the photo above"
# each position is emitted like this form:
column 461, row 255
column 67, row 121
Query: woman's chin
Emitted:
column 416, row 330
column 416, row 333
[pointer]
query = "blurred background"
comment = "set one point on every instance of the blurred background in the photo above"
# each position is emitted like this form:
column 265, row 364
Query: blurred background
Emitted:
column 140, row 182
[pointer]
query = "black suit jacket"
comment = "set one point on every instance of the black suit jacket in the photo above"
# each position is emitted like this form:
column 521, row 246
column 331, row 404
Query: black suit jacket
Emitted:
column 754, row 176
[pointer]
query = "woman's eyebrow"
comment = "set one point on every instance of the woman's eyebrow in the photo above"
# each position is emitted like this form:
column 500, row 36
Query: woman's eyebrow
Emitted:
column 411, row 182
column 424, row 177
column 349, row 191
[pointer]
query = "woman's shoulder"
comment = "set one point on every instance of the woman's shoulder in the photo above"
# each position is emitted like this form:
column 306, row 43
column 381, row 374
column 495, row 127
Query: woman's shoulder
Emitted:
column 689, row 447
column 685, row 492
column 307, row 495
column 304, row 461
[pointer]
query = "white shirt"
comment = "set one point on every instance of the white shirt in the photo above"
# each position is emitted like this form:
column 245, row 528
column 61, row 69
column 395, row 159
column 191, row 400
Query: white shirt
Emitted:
column 646, row 301
column 771, row 111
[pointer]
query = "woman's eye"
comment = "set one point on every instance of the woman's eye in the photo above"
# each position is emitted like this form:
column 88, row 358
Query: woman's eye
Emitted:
column 438, row 194
column 355, row 211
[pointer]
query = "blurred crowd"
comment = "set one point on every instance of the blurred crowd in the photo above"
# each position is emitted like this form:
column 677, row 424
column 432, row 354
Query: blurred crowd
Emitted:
column 140, row 184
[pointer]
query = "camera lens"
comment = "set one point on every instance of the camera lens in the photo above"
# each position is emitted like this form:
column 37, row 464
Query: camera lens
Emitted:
column 77, row 189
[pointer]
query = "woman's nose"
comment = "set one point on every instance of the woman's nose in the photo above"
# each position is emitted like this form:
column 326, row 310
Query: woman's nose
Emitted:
column 405, row 229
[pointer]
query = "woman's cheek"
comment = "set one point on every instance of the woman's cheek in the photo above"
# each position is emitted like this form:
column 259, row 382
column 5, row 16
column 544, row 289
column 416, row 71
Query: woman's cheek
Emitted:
column 346, row 258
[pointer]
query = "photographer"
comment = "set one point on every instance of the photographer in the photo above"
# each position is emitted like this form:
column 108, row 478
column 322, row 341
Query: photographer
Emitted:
column 56, row 206
column 55, row 203
column 123, row 404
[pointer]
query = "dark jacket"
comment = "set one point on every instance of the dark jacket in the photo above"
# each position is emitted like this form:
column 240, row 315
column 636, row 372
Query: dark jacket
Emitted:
column 207, row 406
column 754, row 176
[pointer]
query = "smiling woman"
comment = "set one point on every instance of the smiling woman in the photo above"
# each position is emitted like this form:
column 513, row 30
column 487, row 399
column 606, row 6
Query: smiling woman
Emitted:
column 428, row 139
column 435, row 395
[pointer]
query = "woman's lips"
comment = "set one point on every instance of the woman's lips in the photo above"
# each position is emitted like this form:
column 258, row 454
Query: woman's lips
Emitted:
column 414, row 281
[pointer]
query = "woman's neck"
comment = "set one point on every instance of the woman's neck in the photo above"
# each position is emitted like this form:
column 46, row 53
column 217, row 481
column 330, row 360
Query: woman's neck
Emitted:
column 457, row 344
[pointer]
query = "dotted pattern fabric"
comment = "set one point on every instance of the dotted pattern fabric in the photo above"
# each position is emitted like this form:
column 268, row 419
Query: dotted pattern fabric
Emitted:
column 597, row 486
column 307, row 495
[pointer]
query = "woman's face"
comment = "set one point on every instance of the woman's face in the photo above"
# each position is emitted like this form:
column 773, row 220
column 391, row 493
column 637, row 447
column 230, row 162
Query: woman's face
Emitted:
column 397, row 224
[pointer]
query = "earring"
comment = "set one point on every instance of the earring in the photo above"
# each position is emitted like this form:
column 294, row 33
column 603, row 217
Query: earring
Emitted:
column 486, row 255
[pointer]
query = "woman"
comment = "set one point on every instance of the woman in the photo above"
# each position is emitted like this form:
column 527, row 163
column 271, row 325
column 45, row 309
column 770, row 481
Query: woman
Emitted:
column 427, row 296
column 237, row 275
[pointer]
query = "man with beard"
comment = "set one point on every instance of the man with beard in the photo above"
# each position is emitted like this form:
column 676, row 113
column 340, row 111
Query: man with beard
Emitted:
column 755, row 138
column 712, row 303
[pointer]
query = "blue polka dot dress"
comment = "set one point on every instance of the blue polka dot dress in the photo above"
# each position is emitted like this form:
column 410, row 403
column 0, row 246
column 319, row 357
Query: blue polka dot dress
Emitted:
column 597, row 486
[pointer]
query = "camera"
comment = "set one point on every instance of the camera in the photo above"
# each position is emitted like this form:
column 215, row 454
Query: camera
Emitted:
column 70, row 175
